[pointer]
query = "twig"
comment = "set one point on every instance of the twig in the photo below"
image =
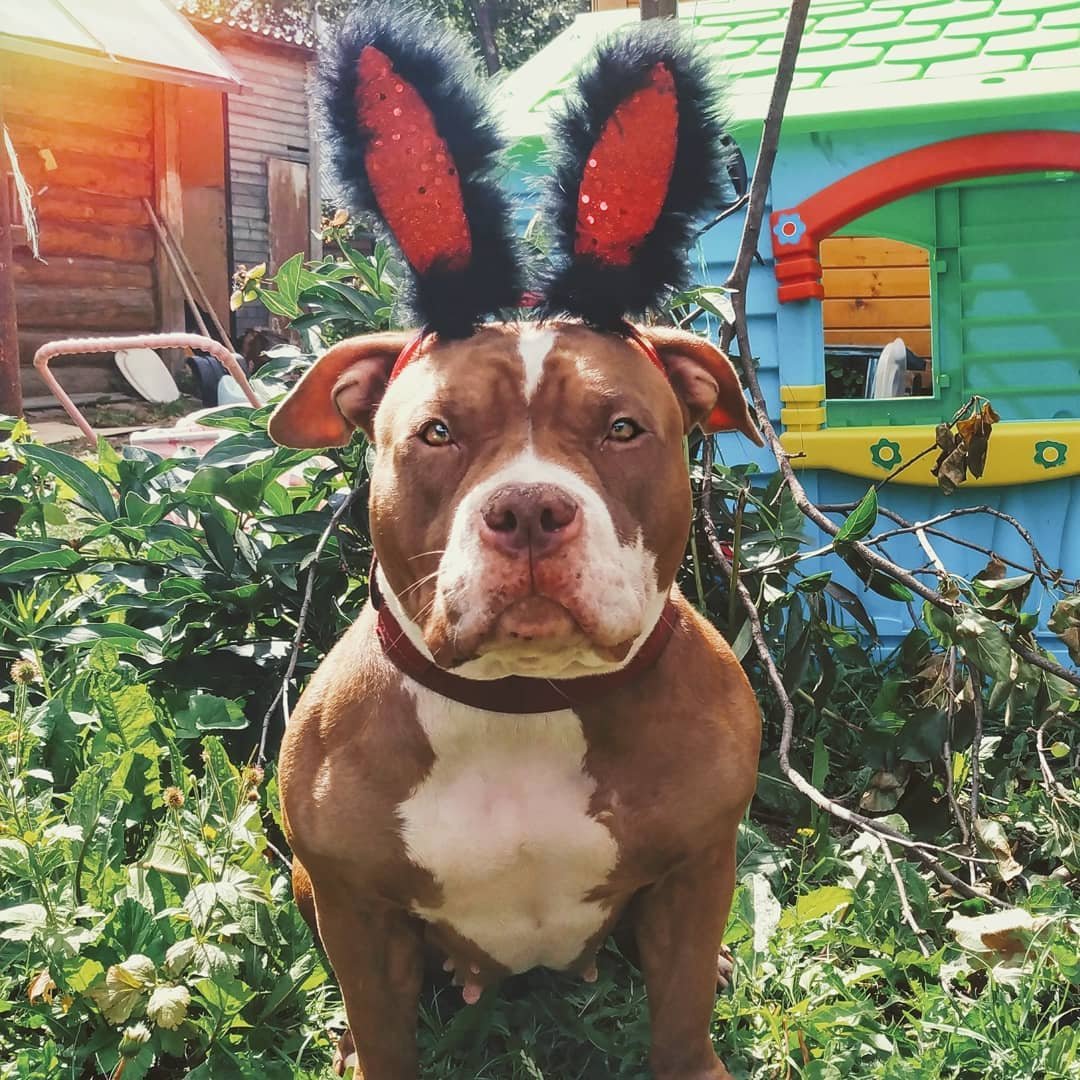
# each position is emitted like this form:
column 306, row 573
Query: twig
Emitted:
column 905, row 903
column 758, row 195
column 1054, row 788
column 1042, row 570
column 1044, row 662
column 279, row 854
column 976, row 745
column 931, row 554
column 724, row 214
column 798, row 781
column 946, row 750
column 282, row 696
column 1048, row 576
column 958, row 415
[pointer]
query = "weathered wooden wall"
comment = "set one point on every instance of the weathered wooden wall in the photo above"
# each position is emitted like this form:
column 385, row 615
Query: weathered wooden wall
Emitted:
column 85, row 144
column 269, row 120
column 202, row 182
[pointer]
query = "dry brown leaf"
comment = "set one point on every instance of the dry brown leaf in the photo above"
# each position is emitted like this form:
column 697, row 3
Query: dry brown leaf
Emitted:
column 41, row 986
column 951, row 469
column 994, row 570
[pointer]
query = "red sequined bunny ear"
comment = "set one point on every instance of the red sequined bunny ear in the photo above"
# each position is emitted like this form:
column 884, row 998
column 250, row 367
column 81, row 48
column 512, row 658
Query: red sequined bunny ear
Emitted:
column 638, row 155
column 412, row 143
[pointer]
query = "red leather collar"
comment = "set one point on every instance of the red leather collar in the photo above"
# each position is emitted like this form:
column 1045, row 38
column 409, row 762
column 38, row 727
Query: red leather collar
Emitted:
column 516, row 694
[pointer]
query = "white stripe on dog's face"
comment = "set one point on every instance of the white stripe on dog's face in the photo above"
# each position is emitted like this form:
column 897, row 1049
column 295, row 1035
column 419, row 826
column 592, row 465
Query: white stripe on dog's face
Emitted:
column 534, row 346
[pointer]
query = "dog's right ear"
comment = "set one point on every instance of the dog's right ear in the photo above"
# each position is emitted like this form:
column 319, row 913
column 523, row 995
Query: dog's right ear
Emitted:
column 338, row 393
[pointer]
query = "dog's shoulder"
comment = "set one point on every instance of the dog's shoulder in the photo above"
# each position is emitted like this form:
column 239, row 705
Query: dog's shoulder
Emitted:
column 353, row 738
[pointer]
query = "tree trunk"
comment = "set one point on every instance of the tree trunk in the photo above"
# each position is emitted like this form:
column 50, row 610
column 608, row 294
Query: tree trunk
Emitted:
column 485, row 30
column 659, row 9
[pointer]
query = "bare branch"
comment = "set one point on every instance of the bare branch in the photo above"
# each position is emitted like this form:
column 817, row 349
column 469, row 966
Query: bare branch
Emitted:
column 282, row 696
column 975, row 678
column 905, row 903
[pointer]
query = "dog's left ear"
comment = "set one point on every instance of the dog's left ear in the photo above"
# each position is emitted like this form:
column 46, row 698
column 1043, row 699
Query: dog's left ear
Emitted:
column 704, row 381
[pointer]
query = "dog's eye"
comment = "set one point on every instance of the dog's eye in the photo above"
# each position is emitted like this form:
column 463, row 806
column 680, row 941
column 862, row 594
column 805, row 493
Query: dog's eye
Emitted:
column 436, row 433
column 625, row 430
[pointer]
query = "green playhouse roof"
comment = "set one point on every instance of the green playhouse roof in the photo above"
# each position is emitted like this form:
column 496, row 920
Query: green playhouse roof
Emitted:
column 909, row 59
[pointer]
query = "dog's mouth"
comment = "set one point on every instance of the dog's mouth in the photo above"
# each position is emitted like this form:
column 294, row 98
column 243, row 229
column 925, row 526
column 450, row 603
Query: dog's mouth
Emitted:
column 532, row 635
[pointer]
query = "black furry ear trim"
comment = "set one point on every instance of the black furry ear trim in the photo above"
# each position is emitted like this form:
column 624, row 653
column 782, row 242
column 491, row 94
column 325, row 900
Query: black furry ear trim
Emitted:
column 637, row 156
column 411, row 141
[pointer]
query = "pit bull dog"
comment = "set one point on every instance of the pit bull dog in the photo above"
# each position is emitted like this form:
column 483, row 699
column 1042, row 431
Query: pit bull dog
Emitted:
column 528, row 739
column 529, row 509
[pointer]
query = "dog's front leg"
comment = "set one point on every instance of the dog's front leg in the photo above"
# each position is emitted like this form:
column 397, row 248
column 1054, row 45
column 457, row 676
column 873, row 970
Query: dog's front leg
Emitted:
column 679, row 923
column 377, row 955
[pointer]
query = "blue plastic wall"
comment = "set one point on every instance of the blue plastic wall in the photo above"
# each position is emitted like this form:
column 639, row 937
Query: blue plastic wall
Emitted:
column 788, row 341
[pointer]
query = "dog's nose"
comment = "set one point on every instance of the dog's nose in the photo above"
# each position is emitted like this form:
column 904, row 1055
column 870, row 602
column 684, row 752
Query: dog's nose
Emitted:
column 529, row 518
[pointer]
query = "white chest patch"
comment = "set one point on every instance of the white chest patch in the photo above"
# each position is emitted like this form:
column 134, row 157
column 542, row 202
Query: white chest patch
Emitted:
column 502, row 822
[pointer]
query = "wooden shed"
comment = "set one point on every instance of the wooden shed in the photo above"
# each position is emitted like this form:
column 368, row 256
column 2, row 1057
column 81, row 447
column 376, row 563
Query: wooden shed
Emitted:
column 269, row 150
column 206, row 123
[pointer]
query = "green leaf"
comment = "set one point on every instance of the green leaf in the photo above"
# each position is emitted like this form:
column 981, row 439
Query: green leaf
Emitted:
column 859, row 522
column 220, row 541
column 287, row 280
column 24, row 920
column 91, row 492
column 224, row 995
column 61, row 559
column 985, row 644
column 276, row 304
column 208, row 712
column 828, row 900
column 874, row 579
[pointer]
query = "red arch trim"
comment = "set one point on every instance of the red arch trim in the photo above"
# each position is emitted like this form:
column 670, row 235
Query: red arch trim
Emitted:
column 797, row 232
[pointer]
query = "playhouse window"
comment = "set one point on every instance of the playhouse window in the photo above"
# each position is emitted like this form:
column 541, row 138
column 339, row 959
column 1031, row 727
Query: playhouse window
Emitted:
column 979, row 279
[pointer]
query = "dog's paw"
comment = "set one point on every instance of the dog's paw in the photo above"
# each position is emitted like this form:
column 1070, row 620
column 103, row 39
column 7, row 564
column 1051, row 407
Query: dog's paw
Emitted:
column 345, row 1057
column 725, row 968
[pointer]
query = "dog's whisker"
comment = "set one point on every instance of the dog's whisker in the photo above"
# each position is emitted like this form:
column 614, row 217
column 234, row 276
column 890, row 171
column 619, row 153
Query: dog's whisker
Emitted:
column 418, row 584
column 424, row 554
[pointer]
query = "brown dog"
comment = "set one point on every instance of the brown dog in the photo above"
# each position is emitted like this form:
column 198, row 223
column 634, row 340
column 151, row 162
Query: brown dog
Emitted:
column 529, row 509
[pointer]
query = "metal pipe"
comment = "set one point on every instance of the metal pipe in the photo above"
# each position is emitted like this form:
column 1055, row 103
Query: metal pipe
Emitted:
column 83, row 346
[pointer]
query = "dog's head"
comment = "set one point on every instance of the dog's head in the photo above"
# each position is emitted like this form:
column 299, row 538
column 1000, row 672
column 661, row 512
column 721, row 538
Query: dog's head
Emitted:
column 529, row 500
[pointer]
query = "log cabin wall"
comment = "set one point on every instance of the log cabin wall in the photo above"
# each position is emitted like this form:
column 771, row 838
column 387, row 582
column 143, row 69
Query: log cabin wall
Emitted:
column 85, row 144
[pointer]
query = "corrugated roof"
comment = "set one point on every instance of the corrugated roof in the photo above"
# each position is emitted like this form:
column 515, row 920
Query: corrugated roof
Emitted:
column 287, row 24
column 859, row 58
column 147, row 38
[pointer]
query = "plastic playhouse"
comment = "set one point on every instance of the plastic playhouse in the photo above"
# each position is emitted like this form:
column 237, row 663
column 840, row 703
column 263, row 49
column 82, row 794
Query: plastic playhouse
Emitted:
column 924, row 230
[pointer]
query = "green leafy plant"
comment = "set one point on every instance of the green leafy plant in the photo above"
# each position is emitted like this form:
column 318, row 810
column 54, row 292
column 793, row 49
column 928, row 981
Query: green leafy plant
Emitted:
column 141, row 921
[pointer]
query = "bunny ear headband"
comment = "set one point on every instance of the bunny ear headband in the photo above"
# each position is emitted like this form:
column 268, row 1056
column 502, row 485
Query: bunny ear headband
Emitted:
column 638, row 155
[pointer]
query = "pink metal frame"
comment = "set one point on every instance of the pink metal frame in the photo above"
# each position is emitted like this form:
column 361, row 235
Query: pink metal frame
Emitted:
column 83, row 346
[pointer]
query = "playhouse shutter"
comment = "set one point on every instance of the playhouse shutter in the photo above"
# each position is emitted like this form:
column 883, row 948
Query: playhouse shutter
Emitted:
column 1007, row 304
